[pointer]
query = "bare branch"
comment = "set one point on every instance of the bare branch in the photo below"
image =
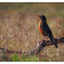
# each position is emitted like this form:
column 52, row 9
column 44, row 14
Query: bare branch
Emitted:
column 38, row 47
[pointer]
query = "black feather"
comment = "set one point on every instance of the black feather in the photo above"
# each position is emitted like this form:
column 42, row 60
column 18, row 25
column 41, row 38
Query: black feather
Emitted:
column 46, row 30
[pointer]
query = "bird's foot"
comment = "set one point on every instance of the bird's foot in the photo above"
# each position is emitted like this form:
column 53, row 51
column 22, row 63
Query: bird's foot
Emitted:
column 44, row 38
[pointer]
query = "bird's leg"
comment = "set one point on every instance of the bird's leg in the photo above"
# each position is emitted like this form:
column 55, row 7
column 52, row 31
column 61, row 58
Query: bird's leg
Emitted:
column 44, row 37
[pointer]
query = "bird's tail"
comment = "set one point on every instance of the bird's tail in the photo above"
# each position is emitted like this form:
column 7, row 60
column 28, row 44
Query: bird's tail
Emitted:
column 54, row 42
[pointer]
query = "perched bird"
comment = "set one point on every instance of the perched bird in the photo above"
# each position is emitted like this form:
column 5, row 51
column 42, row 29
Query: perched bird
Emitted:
column 45, row 30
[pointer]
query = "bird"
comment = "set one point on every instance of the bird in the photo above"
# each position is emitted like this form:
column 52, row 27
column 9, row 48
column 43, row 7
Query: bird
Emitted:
column 45, row 29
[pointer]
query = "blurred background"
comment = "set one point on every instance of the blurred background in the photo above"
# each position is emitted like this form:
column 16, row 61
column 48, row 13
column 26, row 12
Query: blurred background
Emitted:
column 19, row 28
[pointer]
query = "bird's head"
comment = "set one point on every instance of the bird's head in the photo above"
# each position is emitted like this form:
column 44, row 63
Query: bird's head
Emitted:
column 42, row 17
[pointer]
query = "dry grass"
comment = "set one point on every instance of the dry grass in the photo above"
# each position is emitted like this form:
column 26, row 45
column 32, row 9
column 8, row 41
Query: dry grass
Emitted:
column 19, row 27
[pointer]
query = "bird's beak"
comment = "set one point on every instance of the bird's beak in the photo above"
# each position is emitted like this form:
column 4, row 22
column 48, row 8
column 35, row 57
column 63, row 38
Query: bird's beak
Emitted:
column 38, row 15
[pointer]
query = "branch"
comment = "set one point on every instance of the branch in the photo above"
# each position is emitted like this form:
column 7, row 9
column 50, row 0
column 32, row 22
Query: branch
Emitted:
column 42, row 44
column 11, row 51
column 37, row 48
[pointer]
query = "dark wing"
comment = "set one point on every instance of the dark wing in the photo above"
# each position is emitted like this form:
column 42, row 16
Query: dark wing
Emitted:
column 45, row 28
column 47, row 31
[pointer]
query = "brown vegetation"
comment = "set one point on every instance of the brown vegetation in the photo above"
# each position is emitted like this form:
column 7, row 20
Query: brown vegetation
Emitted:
column 19, row 27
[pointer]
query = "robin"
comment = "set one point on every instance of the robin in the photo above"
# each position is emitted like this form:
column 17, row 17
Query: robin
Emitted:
column 45, row 30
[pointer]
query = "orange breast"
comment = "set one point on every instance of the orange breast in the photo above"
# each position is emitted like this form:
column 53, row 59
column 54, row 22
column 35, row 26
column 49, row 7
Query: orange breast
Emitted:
column 41, row 30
